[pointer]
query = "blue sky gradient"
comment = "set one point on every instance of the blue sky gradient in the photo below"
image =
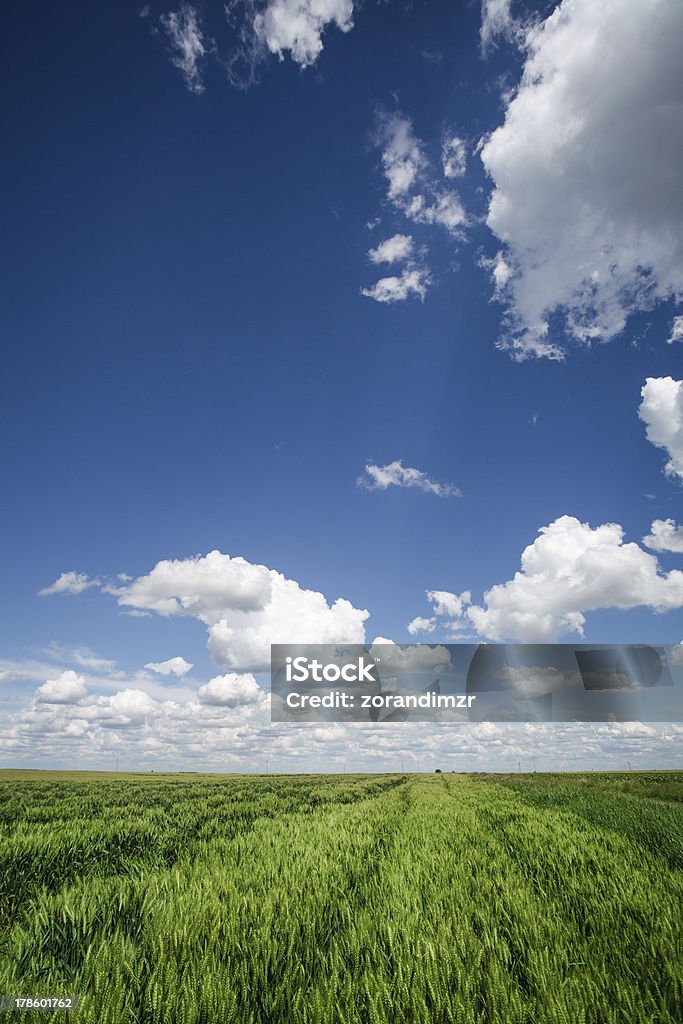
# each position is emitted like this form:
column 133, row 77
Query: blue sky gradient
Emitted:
column 190, row 364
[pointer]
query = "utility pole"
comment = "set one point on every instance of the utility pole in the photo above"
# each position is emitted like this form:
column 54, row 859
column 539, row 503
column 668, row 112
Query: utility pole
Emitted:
column 267, row 763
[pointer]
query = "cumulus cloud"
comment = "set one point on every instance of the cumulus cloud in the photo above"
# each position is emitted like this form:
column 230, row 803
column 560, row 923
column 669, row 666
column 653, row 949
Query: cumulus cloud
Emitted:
column 570, row 569
column 392, row 250
column 245, row 607
column 676, row 330
column 125, row 708
column 69, row 583
column 200, row 586
column 67, row 688
column 421, row 625
column 661, row 410
column 601, row 91
column 231, row 690
column 174, row 666
column 453, row 156
column 447, row 607
column 395, row 474
column 398, row 289
column 665, row 535
column 297, row 26
column 184, row 31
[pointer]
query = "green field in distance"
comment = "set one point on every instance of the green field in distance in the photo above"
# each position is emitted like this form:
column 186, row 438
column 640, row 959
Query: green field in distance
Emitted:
column 355, row 899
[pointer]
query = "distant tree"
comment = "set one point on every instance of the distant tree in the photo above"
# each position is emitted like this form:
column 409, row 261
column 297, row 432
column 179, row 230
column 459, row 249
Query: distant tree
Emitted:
column 438, row 771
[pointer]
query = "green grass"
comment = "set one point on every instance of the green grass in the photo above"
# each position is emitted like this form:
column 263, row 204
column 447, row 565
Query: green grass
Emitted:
column 349, row 899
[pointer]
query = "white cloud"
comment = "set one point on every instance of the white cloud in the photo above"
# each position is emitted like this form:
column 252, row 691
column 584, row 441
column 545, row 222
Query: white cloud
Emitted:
column 601, row 91
column 421, row 625
column 676, row 330
column 442, row 208
column 145, row 733
column 398, row 289
column 246, row 607
column 127, row 707
column 665, row 536
column 453, row 157
column 69, row 583
column 412, row 188
column 496, row 20
column 231, row 690
column 183, row 29
column 174, row 666
column 572, row 568
column 67, row 688
column 448, row 605
column 501, row 274
column 200, row 586
column 395, row 474
column 402, row 155
column 661, row 410
column 392, row 250
column 298, row 26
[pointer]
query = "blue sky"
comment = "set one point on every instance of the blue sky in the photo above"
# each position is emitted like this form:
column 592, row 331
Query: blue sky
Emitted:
column 205, row 350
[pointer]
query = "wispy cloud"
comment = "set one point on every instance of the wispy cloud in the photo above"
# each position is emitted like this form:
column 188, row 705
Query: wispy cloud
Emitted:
column 395, row 474
column 676, row 330
column 173, row 666
column 188, row 43
column 411, row 282
column 413, row 189
column 453, row 156
column 496, row 22
column 69, row 583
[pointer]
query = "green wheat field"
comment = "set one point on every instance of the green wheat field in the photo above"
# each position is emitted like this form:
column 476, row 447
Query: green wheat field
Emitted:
column 543, row 899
